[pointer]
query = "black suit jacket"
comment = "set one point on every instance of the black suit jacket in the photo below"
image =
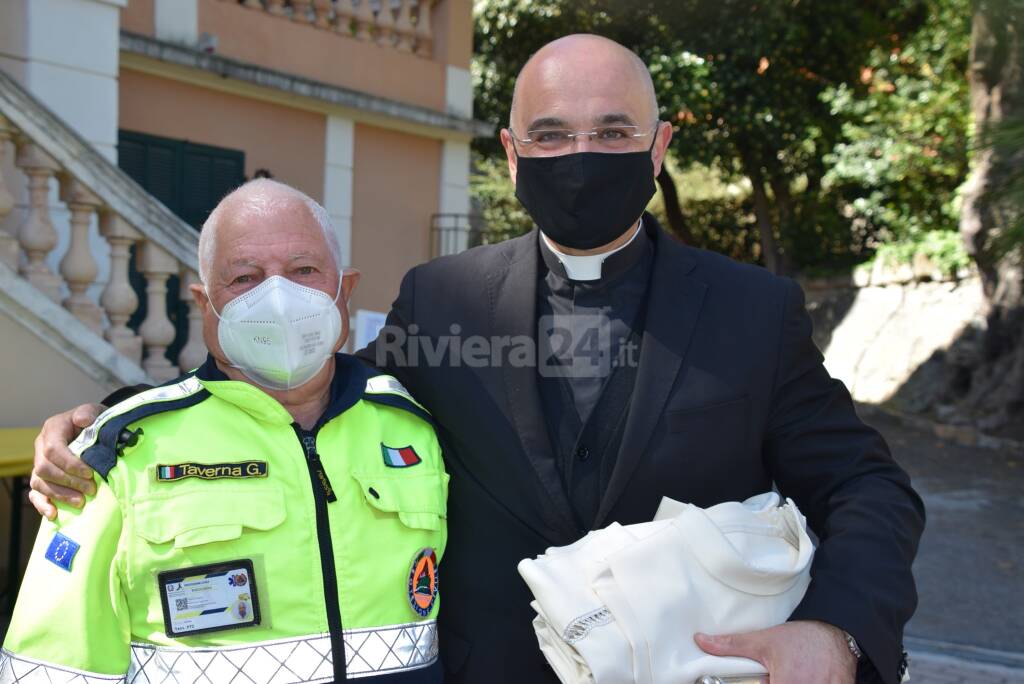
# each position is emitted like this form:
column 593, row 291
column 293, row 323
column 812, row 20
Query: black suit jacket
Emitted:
column 730, row 397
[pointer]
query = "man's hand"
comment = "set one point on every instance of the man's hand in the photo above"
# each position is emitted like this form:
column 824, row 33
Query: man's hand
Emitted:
column 56, row 472
column 799, row 652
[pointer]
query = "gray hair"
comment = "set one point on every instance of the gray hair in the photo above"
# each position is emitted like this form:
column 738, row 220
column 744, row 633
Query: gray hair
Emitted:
column 260, row 197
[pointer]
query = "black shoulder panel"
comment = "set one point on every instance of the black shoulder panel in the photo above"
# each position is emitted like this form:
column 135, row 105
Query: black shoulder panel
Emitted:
column 112, row 434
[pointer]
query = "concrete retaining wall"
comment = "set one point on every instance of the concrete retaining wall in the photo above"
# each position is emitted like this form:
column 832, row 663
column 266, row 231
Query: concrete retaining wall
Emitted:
column 874, row 337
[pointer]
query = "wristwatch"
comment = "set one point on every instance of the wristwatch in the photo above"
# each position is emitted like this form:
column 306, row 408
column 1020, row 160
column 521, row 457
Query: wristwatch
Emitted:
column 851, row 643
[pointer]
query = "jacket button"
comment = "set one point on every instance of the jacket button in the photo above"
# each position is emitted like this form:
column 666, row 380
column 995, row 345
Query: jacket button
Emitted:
column 583, row 453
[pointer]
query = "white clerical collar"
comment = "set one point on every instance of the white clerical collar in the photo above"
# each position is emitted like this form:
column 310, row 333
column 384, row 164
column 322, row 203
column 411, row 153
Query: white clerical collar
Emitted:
column 586, row 267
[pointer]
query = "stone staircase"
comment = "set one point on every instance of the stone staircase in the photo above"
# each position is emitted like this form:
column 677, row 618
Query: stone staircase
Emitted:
column 63, row 309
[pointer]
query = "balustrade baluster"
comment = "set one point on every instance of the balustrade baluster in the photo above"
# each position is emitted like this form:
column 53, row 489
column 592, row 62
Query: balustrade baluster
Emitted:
column 300, row 10
column 385, row 25
column 424, row 33
column 404, row 27
column 364, row 20
column 193, row 353
column 78, row 267
column 119, row 299
column 345, row 13
column 8, row 242
column 36, row 233
column 157, row 331
column 322, row 11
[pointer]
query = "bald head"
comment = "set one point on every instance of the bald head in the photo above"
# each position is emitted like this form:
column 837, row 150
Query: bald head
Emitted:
column 264, row 199
column 582, row 65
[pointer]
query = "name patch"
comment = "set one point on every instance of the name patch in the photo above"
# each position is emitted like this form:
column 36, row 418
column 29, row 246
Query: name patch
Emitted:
column 212, row 471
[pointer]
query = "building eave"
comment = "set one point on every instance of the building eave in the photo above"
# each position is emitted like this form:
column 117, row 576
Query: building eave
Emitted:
column 150, row 55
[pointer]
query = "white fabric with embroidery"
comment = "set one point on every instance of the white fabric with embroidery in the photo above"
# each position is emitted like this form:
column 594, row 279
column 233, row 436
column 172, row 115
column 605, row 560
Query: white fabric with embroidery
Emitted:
column 623, row 603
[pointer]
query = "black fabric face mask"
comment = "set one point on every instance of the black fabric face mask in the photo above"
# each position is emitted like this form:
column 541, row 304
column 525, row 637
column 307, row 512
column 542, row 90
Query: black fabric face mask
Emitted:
column 585, row 199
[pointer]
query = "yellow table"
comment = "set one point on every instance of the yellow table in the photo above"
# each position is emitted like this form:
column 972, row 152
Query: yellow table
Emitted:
column 15, row 462
column 16, row 451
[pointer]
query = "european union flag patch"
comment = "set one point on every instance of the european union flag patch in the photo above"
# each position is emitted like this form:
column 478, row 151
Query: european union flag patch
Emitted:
column 62, row 551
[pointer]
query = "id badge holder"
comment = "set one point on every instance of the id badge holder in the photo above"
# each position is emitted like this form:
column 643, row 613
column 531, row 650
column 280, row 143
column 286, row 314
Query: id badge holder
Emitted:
column 209, row 598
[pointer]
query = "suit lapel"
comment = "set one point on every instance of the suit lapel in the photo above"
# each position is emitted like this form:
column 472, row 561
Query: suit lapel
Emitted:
column 673, row 306
column 513, row 299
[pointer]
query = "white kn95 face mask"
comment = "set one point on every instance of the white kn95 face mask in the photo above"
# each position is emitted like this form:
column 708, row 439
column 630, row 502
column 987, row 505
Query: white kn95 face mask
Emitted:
column 280, row 334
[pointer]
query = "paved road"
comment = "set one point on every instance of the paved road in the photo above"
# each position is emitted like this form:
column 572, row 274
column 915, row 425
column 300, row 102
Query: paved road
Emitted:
column 970, row 566
column 929, row 668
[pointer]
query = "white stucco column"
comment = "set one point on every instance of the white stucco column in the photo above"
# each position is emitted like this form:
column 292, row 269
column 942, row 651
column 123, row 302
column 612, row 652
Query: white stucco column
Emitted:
column 66, row 52
column 338, row 175
column 454, row 197
column 454, row 186
column 176, row 21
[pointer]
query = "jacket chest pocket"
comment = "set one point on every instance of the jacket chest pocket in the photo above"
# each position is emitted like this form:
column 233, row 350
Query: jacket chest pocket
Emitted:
column 419, row 501
column 212, row 514
column 723, row 421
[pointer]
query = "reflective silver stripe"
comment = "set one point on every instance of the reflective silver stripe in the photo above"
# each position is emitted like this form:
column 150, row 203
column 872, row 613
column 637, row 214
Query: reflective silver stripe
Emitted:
column 178, row 390
column 390, row 649
column 306, row 659
column 15, row 669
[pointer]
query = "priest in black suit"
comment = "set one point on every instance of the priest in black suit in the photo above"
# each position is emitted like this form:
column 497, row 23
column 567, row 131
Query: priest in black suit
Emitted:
column 582, row 372
column 660, row 370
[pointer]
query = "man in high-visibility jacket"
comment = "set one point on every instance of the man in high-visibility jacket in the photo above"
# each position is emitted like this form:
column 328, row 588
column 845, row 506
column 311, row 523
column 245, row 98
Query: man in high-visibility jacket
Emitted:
column 277, row 515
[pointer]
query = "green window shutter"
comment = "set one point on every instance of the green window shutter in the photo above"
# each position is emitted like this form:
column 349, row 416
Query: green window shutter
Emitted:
column 209, row 174
column 187, row 177
column 190, row 180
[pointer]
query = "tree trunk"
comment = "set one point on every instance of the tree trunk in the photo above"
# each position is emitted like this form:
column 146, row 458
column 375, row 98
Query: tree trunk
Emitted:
column 996, row 79
column 673, row 211
column 763, row 214
column 784, row 206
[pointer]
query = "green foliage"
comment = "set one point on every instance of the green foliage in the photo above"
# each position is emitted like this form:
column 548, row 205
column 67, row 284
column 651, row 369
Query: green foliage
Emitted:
column 943, row 248
column 904, row 148
column 502, row 215
column 719, row 214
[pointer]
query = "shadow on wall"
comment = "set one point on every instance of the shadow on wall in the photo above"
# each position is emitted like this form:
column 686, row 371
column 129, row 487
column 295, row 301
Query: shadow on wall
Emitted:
column 828, row 302
column 918, row 347
column 969, row 383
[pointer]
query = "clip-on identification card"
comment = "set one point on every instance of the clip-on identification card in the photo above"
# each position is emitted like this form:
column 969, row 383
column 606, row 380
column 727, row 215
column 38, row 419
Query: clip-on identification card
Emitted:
column 209, row 598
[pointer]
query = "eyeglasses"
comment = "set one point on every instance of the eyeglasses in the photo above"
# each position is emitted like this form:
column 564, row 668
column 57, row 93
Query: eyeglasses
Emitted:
column 554, row 140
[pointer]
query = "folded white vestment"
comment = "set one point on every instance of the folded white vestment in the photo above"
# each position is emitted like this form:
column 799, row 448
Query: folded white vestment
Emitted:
column 622, row 604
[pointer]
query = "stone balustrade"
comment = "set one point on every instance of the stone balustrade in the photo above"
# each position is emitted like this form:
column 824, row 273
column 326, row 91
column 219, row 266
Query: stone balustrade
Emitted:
column 400, row 24
column 102, row 197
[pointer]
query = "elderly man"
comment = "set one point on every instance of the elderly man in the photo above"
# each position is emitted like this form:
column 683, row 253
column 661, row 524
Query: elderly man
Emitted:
column 276, row 515
column 707, row 387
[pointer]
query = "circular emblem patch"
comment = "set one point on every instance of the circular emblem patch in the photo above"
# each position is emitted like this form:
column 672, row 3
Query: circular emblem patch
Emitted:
column 423, row 582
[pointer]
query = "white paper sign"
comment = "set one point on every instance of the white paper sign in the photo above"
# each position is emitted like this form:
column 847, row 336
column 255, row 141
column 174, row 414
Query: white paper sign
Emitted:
column 368, row 324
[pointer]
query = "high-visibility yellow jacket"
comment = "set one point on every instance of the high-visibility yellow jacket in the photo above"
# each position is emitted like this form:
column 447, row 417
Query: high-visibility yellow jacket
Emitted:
column 224, row 539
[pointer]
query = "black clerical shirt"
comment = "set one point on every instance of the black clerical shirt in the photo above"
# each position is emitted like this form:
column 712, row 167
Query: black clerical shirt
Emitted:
column 589, row 336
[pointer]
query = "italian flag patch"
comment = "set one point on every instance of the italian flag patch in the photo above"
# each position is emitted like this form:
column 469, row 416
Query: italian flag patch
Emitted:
column 401, row 457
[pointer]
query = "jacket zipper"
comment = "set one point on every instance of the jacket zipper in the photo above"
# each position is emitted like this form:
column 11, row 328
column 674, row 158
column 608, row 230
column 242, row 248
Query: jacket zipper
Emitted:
column 323, row 493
